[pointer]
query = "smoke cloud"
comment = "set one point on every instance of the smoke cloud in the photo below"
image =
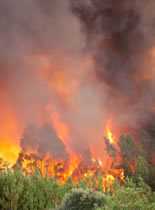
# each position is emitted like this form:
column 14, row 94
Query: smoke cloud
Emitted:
column 47, row 75
column 120, row 36
column 73, row 65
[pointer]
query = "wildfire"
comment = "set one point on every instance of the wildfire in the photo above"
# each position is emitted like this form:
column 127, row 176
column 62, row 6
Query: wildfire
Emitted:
column 110, row 136
column 95, row 160
column 108, row 182
column 108, row 132
column 60, row 127
column 9, row 152
column 75, row 167
column 9, row 133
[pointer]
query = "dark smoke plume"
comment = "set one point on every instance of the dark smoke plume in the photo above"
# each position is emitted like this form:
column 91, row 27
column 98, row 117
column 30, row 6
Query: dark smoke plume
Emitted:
column 120, row 36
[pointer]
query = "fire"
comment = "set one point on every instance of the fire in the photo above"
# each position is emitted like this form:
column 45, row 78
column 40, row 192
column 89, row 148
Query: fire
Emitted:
column 108, row 132
column 9, row 133
column 72, row 89
column 60, row 127
column 108, row 182
column 75, row 167
column 110, row 136
column 9, row 152
column 92, row 162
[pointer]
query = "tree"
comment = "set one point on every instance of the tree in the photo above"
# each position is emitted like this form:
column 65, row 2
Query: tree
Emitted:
column 142, row 169
column 129, row 153
column 128, row 147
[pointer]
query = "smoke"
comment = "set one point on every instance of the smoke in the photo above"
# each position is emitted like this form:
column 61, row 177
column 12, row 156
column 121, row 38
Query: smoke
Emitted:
column 120, row 36
column 44, row 70
column 44, row 141
column 73, row 65
column 29, row 31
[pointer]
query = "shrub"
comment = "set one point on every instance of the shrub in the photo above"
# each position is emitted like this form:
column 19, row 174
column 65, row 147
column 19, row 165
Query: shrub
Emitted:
column 79, row 199
column 142, row 169
column 11, row 188
column 19, row 192
column 130, row 197
column 39, row 194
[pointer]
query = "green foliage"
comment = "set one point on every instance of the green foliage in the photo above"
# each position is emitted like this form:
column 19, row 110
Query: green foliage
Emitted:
column 129, row 153
column 151, row 181
column 142, row 169
column 91, row 182
column 128, row 148
column 146, row 171
column 19, row 192
column 10, row 190
column 130, row 197
column 29, row 193
column 79, row 199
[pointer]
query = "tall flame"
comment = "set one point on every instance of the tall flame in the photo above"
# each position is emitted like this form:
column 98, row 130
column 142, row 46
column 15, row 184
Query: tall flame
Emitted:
column 110, row 136
column 109, row 133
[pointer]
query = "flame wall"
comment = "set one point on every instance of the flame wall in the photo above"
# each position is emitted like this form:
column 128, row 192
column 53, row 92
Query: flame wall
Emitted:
column 73, row 74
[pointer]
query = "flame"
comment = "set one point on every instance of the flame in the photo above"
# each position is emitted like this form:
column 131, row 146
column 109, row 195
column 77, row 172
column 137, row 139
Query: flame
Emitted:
column 8, row 151
column 64, row 86
column 60, row 127
column 74, row 168
column 110, row 136
column 108, row 182
column 108, row 132
column 9, row 133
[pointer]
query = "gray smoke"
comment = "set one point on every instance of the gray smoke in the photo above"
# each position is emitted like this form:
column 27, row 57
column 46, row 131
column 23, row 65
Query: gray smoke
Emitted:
column 86, row 71
column 41, row 41
column 31, row 29
column 120, row 35
column 43, row 141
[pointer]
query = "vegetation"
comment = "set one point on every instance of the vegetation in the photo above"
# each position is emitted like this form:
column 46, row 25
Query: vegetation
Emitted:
column 131, row 196
column 20, row 192
column 79, row 199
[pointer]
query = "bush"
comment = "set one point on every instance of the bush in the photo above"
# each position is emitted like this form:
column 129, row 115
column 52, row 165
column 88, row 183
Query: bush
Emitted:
column 39, row 194
column 142, row 169
column 19, row 192
column 79, row 199
column 11, row 188
column 130, row 197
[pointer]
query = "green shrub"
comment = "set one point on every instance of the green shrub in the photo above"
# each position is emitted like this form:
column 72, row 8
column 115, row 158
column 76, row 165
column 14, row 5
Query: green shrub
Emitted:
column 130, row 197
column 11, row 188
column 142, row 169
column 19, row 192
column 39, row 194
column 79, row 199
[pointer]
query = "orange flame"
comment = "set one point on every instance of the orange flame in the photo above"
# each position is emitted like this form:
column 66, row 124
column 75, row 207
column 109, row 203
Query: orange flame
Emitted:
column 110, row 136
column 108, row 132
